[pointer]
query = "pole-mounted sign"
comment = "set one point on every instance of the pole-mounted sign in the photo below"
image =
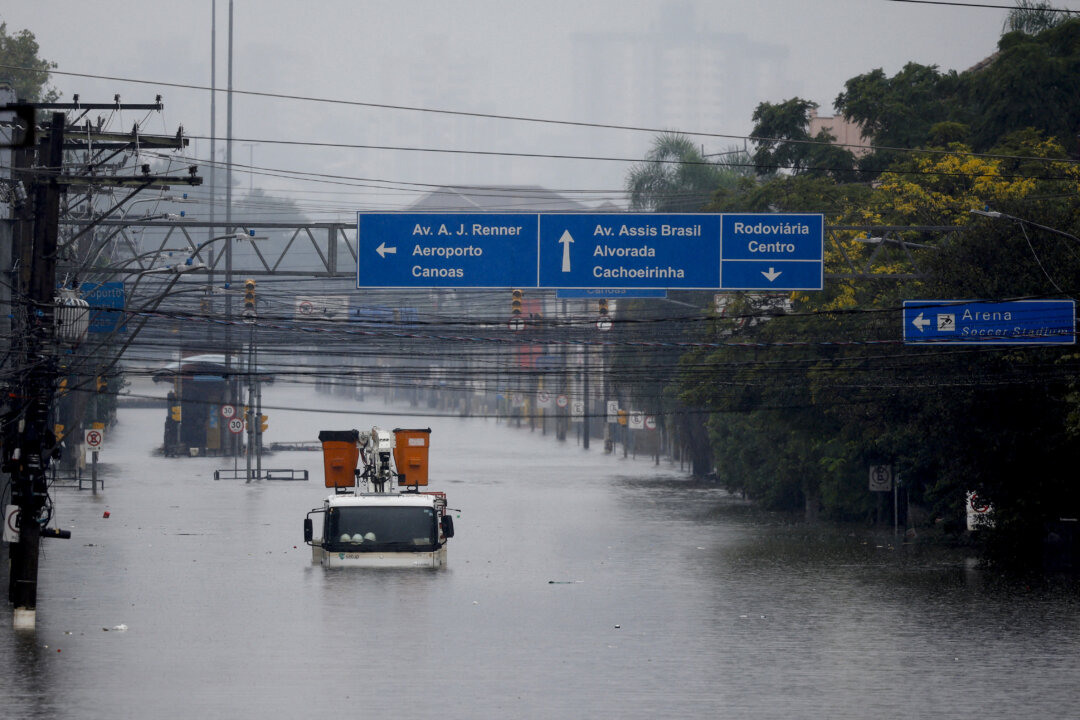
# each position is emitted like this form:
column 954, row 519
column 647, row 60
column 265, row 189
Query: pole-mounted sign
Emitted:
column 969, row 322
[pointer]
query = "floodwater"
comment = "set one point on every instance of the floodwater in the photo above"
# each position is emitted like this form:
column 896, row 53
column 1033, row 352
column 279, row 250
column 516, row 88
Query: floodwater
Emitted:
column 580, row 585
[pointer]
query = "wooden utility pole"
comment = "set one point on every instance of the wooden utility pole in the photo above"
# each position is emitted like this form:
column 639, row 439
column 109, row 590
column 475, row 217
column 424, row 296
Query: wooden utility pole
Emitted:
column 33, row 440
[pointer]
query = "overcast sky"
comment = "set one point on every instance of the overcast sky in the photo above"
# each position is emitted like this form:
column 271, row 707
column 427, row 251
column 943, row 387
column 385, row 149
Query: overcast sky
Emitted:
column 561, row 60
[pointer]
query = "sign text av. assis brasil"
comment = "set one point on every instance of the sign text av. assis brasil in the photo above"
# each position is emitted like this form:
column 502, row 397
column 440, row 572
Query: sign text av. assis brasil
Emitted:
column 591, row 251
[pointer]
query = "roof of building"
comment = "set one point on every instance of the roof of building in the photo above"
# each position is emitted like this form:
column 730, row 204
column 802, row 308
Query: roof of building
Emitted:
column 505, row 198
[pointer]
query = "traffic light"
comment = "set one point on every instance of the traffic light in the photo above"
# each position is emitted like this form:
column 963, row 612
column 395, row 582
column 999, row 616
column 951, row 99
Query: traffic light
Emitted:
column 262, row 423
column 602, row 307
column 101, row 383
column 515, row 303
column 249, row 297
column 175, row 413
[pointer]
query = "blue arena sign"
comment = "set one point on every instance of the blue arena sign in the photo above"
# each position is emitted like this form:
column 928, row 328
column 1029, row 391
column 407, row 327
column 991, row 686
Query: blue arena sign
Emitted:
column 967, row 322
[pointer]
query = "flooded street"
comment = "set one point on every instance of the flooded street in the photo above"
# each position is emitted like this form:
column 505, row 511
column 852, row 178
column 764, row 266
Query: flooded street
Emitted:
column 580, row 585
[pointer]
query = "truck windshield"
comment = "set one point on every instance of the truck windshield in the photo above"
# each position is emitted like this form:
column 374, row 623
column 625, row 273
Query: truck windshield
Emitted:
column 381, row 529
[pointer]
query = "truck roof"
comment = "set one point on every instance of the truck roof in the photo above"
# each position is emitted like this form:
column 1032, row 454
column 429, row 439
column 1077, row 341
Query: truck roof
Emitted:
column 387, row 499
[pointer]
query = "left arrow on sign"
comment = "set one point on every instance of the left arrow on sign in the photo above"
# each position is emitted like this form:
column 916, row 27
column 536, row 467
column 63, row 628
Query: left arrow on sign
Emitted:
column 384, row 251
column 920, row 322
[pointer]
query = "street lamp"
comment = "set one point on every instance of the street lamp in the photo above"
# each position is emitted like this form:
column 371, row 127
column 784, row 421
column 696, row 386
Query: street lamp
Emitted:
column 1000, row 215
column 175, row 271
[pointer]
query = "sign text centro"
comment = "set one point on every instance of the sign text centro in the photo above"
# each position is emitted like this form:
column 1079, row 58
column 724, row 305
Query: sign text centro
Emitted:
column 788, row 250
column 591, row 251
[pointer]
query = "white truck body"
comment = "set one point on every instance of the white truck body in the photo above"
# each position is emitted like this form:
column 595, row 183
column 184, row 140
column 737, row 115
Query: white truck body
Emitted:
column 382, row 530
column 378, row 516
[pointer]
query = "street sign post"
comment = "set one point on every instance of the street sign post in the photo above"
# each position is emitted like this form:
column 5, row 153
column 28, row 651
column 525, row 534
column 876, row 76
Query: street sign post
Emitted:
column 969, row 322
column 591, row 252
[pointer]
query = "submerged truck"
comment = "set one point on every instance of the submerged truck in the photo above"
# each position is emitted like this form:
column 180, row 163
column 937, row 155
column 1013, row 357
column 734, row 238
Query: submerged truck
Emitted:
column 378, row 515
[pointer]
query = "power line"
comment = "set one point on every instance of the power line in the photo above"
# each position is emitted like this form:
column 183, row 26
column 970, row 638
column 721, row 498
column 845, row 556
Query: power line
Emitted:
column 514, row 118
column 982, row 6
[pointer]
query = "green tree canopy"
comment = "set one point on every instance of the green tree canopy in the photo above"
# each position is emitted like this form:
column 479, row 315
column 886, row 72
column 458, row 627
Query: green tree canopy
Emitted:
column 22, row 67
column 781, row 133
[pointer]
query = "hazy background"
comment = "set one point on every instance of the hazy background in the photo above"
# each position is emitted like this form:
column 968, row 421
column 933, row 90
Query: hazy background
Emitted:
column 693, row 66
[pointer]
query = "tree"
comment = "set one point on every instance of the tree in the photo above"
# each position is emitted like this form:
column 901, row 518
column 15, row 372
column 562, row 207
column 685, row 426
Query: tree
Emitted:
column 781, row 132
column 676, row 177
column 899, row 112
column 27, row 72
column 1033, row 81
column 1031, row 17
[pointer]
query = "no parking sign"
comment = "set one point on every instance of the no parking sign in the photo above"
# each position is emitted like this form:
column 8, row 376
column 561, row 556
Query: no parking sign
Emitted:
column 94, row 439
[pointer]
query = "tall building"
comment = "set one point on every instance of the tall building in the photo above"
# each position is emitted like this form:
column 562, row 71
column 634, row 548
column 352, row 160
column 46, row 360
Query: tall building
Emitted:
column 676, row 76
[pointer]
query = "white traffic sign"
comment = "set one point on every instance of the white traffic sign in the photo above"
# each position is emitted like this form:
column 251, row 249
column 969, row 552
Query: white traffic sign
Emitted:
column 516, row 324
column 228, row 411
column 603, row 324
column 637, row 420
column 94, row 439
column 543, row 399
column 577, row 409
column 612, row 411
column 650, row 422
column 11, row 524
column 980, row 513
column 562, row 401
column 880, row 478
column 236, row 426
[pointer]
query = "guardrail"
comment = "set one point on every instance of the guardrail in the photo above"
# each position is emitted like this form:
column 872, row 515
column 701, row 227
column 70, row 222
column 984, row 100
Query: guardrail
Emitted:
column 267, row 474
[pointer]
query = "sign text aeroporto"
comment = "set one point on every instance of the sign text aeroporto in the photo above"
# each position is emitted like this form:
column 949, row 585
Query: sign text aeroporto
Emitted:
column 637, row 251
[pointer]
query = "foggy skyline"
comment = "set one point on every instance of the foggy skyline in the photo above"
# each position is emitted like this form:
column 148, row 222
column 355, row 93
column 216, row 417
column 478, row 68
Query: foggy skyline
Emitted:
column 695, row 67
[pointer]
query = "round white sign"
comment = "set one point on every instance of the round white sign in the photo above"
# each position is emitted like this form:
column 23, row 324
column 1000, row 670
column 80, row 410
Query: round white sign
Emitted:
column 228, row 411
column 236, row 426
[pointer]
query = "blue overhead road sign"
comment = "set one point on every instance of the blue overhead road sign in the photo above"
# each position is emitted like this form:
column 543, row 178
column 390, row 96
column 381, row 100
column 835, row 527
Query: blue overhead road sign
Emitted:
column 967, row 322
column 646, row 250
column 464, row 250
column 773, row 252
column 591, row 251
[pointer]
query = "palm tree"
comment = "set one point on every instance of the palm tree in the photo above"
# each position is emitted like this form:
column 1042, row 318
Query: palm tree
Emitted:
column 1031, row 17
column 676, row 177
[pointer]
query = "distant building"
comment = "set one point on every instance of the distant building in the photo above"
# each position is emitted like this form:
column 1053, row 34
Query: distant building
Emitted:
column 847, row 134
column 679, row 75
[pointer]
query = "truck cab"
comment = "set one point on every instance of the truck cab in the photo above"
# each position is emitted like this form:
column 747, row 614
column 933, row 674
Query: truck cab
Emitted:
column 382, row 519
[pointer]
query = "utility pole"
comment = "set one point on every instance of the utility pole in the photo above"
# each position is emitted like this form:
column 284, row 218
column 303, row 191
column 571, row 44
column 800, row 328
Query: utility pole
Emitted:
column 29, row 443
column 27, row 450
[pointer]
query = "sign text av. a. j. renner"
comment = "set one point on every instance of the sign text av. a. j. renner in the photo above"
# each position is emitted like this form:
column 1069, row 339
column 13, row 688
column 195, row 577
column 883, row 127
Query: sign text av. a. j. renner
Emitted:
column 595, row 251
